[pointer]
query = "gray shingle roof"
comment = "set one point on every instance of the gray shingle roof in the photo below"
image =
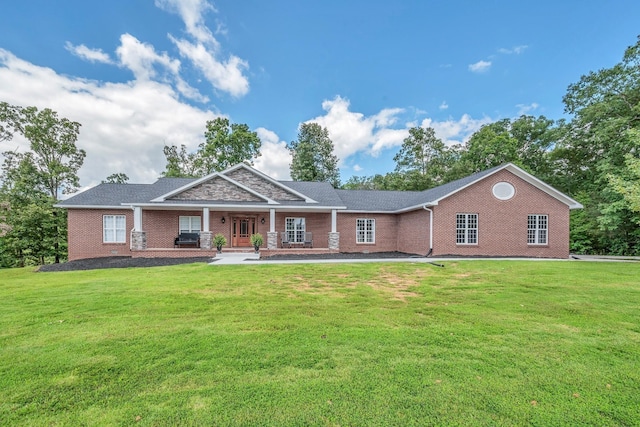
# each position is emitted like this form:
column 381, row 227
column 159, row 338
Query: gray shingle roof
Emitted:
column 323, row 193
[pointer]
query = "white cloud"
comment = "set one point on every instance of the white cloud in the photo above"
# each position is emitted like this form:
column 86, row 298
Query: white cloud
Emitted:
column 526, row 109
column 203, row 51
column 223, row 75
column 275, row 157
column 124, row 125
column 456, row 131
column 517, row 50
column 480, row 66
column 192, row 14
column 357, row 168
column 88, row 54
column 353, row 132
column 141, row 58
column 444, row 105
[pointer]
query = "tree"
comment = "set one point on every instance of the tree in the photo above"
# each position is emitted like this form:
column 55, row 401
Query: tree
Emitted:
column 9, row 121
column 116, row 178
column 227, row 145
column 33, row 180
column 423, row 159
column 593, row 146
column 627, row 183
column 180, row 164
column 312, row 156
column 525, row 141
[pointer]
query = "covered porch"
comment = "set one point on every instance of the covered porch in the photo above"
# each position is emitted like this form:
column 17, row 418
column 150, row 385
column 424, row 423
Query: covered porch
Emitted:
column 155, row 230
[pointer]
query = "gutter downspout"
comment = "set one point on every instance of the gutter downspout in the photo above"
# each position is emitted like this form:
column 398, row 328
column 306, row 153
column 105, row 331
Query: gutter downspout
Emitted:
column 430, row 229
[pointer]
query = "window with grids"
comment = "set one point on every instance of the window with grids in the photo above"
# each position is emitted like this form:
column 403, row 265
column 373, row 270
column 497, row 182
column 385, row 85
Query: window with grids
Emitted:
column 189, row 224
column 537, row 229
column 295, row 228
column 114, row 229
column 365, row 230
column 467, row 229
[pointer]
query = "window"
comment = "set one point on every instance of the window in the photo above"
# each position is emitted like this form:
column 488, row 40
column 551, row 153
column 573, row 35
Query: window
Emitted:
column 365, row 230
column 114, row 229
column 466, row 229
column 537, row 226
column 295, row 228
column 189, row 224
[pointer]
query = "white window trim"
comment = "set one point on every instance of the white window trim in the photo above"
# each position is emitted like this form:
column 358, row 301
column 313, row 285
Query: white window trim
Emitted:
column 366, row 221
column 295, row 232
column 192, row 219
column 467, row 229
column 537, row 230
column 112, row 226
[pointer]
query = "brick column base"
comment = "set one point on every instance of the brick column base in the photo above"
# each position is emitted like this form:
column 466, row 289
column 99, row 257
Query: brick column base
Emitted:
column 206, row 239
column 334, row 241
column 272, row 240
column 138, row 240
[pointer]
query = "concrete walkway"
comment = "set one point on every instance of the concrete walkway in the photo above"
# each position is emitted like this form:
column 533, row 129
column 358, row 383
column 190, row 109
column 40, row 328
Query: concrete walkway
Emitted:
column 254, row 259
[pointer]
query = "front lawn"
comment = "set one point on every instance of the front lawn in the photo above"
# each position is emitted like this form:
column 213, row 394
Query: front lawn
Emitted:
column 474, row 343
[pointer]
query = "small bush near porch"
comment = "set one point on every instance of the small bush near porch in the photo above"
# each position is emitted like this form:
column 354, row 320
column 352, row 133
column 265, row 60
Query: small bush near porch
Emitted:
column 474, row 343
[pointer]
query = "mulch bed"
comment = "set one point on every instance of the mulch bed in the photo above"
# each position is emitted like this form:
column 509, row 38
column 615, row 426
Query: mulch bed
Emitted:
column 119, row 262
column 127, row 262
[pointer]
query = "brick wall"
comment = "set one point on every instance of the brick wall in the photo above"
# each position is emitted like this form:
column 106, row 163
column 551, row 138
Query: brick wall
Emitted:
column 386, row 236
column 502, row 224
column 413, row 232
column 85, row 234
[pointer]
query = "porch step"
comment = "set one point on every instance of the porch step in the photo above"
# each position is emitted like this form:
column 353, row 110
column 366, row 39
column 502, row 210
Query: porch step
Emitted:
column 236, row 256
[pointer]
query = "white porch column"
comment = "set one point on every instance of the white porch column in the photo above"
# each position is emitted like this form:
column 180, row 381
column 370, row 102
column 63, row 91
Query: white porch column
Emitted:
column 334, row 220
column 206, row 240
column 205, row 219
column 272, row 236
column 334, row 236
column 272, row 220
column 138, row 240
column 137, row 218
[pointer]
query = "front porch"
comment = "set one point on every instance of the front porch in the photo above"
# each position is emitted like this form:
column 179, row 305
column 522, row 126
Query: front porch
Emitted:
column 292, row 231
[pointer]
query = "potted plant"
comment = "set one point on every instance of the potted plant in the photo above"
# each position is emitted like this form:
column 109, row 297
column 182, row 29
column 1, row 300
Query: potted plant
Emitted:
column 257, row 240
column 219, row 241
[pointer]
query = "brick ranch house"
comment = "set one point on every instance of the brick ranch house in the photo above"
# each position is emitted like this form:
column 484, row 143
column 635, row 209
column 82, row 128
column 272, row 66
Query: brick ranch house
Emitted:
column 503, row 211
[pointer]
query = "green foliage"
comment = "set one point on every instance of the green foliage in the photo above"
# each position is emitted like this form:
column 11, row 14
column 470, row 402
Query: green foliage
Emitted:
column 31, row 181
column 524, row 141
column 389, row 344
column 180, row 163
column 595, row 146
column 256, row 240
column 9, row 121
column 312, row 156
column 219, row 240
column 116, row 178
column 423, row 159
column 225, row 145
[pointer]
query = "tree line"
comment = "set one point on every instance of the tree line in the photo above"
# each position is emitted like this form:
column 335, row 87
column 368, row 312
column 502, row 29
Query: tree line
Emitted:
column 594, row 157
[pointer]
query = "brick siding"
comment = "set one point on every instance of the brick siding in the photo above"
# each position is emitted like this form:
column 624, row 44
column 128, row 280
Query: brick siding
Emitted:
column 84, row 233
column 502, row 224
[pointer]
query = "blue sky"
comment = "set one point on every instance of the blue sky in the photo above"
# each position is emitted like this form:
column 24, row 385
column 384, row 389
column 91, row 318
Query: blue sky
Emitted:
column 142, row 74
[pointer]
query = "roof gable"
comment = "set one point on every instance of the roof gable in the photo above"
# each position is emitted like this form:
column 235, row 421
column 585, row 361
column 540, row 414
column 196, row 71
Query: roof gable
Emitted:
column 463, row 183
column 244, row 178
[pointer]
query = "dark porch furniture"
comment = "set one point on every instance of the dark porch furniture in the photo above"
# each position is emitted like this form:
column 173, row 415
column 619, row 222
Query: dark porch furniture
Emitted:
column 308, row 240
column 284, row 240
column 191, row 239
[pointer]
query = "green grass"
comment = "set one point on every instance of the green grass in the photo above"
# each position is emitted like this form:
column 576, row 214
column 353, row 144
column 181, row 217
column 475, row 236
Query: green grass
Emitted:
column 475, row 343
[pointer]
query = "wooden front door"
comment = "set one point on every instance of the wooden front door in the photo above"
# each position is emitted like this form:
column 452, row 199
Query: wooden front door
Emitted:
column 243, row 228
